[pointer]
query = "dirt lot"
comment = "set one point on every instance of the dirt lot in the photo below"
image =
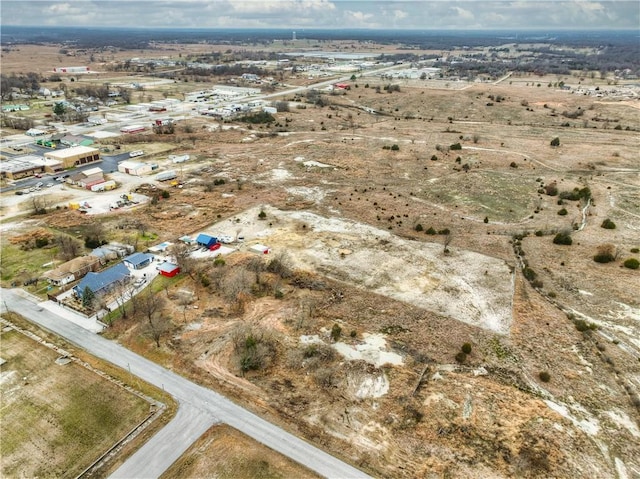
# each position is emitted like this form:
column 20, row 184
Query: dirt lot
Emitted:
column 356, row 343
column 224, row 453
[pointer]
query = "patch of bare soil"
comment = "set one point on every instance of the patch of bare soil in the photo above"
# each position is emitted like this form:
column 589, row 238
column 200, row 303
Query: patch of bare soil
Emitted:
column 223, row 452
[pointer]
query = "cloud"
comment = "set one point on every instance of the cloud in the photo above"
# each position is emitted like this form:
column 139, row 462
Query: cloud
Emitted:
column 464, row 14
column 399, row 15
column 396, row 14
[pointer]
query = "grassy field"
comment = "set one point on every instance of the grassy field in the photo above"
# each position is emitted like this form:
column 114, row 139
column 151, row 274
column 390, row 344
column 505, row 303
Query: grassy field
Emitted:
column 57, row 419
column 20, row 265
column 225, row 453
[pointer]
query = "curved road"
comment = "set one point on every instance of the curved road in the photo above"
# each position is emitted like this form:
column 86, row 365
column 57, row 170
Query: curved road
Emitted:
column 199, row 408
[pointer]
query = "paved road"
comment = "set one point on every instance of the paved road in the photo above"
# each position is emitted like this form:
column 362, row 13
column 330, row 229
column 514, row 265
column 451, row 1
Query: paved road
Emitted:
column 199, row 407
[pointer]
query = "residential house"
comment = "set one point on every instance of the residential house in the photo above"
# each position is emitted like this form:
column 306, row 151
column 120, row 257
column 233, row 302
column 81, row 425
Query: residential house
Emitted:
column 72, row 270
column 138, row 260
column 104, row 281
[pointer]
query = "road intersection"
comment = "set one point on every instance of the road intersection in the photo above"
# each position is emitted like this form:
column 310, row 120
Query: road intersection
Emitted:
column 199, row 408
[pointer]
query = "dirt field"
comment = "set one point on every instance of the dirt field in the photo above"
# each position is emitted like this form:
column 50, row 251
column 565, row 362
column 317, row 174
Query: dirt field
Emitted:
column 355, row 344
column 224, row 453
column 57, row 417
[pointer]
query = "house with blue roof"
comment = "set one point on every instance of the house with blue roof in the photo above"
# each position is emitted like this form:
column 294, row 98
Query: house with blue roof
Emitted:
column 102, row 282
column 206, row 240
column 138, row 260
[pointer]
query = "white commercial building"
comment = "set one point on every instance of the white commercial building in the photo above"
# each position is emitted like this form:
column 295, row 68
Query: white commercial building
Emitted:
column 134, row 168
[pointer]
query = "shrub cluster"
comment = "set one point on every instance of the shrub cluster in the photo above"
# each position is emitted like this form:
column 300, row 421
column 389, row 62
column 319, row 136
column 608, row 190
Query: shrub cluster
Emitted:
column 608, row 224
column 544, row 376
column 603, row 257
column 632, row 263
column 562, row 238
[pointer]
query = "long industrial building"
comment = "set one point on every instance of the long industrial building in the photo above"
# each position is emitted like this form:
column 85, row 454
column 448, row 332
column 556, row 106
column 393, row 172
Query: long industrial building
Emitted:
column 75, row 156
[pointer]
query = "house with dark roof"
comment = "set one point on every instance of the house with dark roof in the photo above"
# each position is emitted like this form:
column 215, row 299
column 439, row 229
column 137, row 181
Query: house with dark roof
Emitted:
column 104, row 281
column 138, row 260
column 206, row 240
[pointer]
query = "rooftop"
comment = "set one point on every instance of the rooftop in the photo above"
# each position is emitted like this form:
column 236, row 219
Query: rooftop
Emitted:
column 73, row 151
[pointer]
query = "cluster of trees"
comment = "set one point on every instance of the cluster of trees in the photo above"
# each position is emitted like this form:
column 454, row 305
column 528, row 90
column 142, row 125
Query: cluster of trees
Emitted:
column 28, row 83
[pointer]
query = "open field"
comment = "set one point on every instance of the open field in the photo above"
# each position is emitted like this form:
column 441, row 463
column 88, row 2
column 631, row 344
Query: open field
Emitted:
column 396, row 238
column 58, row 417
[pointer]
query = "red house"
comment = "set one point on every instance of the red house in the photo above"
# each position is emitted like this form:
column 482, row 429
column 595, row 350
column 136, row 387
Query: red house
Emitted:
column 168, row 269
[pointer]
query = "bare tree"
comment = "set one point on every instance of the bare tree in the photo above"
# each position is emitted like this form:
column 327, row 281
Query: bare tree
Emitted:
column 96, row 232
column 157, row 327
column 306, row 308
column 187, row 264
column 69, row 247
column 184, row 300
column 236, row 287
column 447, row 242
column 39, row 204
column 150, row 307
column 123, row 291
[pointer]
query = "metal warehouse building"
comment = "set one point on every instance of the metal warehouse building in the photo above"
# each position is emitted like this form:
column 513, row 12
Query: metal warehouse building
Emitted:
column 134, row 168
column 75, row 156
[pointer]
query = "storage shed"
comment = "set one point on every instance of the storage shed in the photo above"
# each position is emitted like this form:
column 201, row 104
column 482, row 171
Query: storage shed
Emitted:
column 134, row 168
column 260, row 248
column 138, row 260
column 168, row 269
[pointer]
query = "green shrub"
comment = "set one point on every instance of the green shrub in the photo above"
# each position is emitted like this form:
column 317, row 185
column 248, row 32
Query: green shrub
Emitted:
column 461, row 357
column 262, row 215
column 444, row 231
column 431, row 231
column 218, row 262
column 486, row 219
column 255, row 118
column 608, row 224
column 581, row 325
column 631, row 263
column 456, row 146
column 434, row 158
column 395, row 147
column 569, row 195
column 539, row 233
column 418, row 227
column 278, row 294
column 466, row 348
column 165, row 194
column 603, row 258
column 563, row 212
column 529, row 273
column 336, row 331
column 562, row 238
column 544, row 376
column 555, row 141
column 41, row 242
column 635, row 250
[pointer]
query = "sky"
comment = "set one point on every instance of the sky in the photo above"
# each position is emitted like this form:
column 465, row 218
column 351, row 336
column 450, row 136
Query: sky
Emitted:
column 314, row 14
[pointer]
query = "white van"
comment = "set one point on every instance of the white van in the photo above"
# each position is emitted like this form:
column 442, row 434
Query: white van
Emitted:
column 133, row 154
